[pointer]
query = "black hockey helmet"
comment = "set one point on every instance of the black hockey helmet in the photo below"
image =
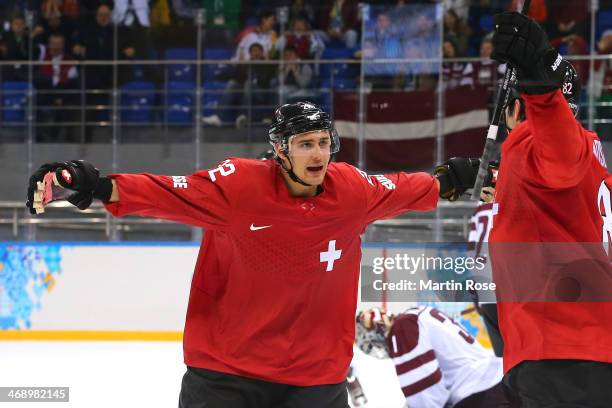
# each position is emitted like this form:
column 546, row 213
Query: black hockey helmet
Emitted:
column 571, row 87
column 294, row 118
column 267, row 155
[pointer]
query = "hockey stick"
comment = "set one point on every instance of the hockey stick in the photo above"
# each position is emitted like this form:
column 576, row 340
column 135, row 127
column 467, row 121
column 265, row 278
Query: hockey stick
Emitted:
column 502, row 100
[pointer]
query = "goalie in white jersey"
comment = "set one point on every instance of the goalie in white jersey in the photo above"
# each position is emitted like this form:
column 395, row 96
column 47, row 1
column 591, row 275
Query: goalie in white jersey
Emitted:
column 438, row 363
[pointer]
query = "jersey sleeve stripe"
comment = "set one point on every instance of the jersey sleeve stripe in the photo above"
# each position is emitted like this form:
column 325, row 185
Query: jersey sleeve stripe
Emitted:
column 419, row 349
column 423, row 384
column 415, row 362
column 417, row 374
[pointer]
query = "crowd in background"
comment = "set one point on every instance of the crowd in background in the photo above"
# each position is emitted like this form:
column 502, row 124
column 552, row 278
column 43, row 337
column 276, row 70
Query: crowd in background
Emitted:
column 101, row 30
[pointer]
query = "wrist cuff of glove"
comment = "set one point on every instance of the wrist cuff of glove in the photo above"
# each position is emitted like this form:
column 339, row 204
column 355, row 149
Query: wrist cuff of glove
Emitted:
column 104, row 189
column 446, row 185
column 534, row 89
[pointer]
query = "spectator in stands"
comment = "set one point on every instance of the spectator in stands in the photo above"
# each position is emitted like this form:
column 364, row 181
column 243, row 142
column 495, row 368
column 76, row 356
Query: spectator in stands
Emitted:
column 87, row 10
column 602, row 86
column 263, row 34
column 7, row 9
column 340, row 23
column 306, row 44
column 69, row 9
column 296, row 77
column 455, row 74
column 55, row 23
column 160, row 17
column 459, row 7
column 249, row 85
column 457, row 29
column 567, row 18
column 222, row 20
column 480, row 20
column 383, row 42
column 486, row 71
column 133, row 19
column 130, row 12
column 15, row 46
column 302, row 9
column 95, row 42
column 57, row 83
column 538, row 9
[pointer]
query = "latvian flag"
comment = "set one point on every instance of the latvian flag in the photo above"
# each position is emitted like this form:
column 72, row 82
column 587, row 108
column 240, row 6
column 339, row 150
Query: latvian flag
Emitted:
column 400, row 127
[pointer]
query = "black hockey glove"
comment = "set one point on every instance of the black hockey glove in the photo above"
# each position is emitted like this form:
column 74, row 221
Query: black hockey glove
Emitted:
column 77, row 175
column 37, row 176
column 456, row 176
column 521, row 42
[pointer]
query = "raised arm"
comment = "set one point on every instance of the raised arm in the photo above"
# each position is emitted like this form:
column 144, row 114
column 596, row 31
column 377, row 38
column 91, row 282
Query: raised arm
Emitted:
column 201, row 199
column 560, row 146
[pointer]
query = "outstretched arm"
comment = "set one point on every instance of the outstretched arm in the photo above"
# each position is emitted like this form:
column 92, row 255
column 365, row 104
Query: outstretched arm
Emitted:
column 115, row 194
column 200, row 199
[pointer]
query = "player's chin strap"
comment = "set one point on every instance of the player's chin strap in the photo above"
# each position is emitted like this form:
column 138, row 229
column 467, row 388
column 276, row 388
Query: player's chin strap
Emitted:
column 291, row 173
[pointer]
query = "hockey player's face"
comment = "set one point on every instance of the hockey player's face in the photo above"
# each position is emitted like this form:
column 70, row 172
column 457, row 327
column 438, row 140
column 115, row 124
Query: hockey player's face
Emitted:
column 309, row 153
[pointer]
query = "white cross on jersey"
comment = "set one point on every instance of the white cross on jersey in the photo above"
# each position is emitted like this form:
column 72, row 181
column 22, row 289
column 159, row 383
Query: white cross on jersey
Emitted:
column 331, row 255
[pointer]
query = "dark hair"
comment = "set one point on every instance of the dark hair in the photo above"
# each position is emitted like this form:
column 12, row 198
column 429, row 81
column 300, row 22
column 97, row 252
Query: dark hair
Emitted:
column 256, row 44
column 57, row 35
column 105, row 4
column 452, row 42
column 17, row 17
column 522, row 115
column 300, row 17
column 290, row 47
column 265, row 14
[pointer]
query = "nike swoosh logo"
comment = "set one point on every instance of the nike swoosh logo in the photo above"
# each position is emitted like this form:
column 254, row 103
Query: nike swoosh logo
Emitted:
column 254, row 228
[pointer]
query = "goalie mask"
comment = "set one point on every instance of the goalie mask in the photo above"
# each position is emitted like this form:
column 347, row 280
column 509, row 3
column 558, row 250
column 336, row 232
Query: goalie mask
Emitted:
column 371, row 329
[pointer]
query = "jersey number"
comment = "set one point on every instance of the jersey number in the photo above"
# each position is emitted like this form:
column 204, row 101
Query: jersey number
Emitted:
column 225, row 169
column 441, row 317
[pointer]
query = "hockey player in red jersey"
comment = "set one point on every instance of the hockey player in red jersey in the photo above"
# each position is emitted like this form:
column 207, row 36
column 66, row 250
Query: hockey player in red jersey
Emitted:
column 549, row 190
column 270, row 320
column 438, row 363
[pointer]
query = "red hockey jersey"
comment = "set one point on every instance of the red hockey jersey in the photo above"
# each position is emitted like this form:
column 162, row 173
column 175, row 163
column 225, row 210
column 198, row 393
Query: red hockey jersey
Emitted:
column 547, row 192
column 274, row 290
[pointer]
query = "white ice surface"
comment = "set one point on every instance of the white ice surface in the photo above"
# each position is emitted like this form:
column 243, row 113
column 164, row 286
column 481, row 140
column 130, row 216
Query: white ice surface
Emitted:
column 137, row 374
